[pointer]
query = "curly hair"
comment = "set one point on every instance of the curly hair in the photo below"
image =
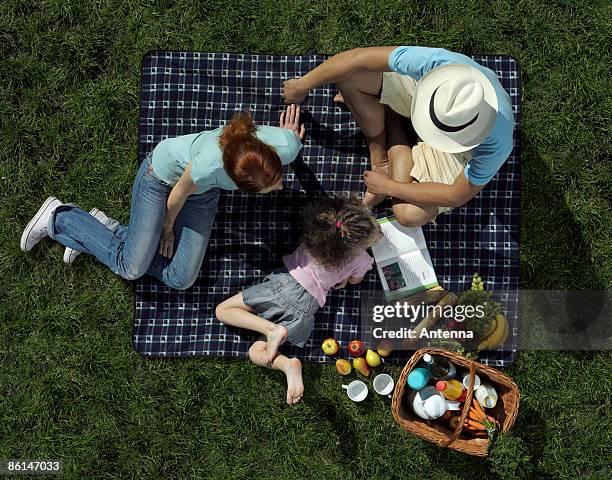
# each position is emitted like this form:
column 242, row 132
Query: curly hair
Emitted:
column 336, row 228
column 250, row 163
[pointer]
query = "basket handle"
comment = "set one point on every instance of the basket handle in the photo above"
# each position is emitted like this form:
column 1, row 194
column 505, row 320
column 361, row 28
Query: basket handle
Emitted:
column 466, row 408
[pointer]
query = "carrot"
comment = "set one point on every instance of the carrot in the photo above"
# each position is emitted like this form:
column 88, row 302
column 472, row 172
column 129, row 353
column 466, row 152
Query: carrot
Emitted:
column 476, row 425
column 477, row 413
column 476, row 406
column 473, row 414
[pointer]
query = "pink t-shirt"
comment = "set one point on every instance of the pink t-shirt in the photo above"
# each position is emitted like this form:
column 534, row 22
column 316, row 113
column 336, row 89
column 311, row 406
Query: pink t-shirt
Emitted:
column 318, row 280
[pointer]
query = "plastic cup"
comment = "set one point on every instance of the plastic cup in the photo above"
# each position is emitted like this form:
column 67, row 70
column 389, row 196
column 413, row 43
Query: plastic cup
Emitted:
column 357, row 391
column 383, row 384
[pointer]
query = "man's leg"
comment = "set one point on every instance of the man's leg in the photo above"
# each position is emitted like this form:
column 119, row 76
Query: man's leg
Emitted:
column 400, row 165
column 360, row 93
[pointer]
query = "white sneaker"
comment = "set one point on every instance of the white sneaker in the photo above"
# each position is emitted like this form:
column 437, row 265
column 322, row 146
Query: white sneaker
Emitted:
column 37, row 228
column 70, row 253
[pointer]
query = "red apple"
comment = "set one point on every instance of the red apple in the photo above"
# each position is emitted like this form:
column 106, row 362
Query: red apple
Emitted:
column 356, row 348
column 330, row 346
column 343, row 366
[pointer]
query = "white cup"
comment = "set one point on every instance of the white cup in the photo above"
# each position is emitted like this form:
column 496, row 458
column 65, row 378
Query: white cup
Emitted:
column 466, row 381
column 383, row 384
column 357, row 391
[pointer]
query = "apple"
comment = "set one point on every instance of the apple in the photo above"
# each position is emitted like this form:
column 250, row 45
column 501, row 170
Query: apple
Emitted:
column 330, row 346
column 343, row 366
column 356, row 348
column 385, row 348
column 373, row 358
column 454, row 421
column 361, row 366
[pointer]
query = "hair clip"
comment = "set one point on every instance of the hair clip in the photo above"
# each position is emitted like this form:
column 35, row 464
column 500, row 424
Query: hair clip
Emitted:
column 338, row 223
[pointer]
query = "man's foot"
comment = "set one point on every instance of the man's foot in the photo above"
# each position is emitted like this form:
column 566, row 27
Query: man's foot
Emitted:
column 275, row 337
column 370, row 200
column 37, row 228
column 338, row 98
column 295, row 386
column 70, row 253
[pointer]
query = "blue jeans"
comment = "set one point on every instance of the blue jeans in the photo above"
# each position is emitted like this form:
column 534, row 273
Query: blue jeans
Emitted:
column 132, row 250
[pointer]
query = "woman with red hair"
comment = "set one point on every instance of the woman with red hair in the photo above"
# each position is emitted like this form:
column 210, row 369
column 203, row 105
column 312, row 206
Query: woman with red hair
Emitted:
column 174, row 200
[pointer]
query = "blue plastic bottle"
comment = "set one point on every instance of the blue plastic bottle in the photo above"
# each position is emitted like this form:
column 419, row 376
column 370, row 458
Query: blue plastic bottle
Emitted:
column 418, row 378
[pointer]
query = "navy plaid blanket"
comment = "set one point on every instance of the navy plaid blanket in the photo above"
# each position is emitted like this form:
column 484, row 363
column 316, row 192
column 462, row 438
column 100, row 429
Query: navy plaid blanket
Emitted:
column 186, row 92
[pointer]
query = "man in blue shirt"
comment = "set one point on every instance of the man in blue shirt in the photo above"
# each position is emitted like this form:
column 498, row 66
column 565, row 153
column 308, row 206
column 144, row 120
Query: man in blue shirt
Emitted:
column 458, row 108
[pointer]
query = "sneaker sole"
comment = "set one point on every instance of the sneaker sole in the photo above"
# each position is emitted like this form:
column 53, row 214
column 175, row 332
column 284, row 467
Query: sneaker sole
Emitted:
column 30, row 226
column 69, row 257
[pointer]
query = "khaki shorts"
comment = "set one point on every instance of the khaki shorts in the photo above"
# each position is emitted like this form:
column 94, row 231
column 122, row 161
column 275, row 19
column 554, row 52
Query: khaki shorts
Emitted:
column 430, row 165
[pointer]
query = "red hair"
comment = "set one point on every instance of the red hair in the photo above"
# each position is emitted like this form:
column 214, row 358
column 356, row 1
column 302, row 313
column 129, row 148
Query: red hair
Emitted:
column 250, row 163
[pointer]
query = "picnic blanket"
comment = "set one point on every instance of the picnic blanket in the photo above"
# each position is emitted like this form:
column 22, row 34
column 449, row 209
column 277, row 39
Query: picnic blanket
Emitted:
column 187, row 92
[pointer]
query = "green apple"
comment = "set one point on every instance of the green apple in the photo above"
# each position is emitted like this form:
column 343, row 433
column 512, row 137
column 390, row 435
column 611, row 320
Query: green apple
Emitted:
column 330, row 346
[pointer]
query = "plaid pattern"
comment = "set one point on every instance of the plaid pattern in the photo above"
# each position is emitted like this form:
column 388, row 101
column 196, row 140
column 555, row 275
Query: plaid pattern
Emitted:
column 186, row 92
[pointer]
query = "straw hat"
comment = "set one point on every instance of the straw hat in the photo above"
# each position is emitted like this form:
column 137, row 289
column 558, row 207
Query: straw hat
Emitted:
column 454, row 108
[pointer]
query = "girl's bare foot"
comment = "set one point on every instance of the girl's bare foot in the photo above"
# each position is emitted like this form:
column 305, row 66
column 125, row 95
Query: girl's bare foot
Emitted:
column 275, row 337
column 295, row 386
column 339, row 98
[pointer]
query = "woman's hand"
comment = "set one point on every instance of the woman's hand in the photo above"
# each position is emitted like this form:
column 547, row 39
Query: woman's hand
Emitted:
column 291, row 121
column 166, row 242
column 377, row 181
column 292, row 93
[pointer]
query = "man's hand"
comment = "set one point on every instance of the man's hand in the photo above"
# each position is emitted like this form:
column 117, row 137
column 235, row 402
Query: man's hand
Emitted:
column 166, row 242
column 292, row 91
column 378, row 181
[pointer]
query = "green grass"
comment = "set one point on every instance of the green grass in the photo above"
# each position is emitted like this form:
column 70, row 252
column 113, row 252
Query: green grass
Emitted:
column 71, row 386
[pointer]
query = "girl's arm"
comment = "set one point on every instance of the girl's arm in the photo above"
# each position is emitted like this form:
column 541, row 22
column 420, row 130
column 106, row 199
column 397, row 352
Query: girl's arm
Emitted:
column 353, row 280
column 178, row 195
column 336, row 69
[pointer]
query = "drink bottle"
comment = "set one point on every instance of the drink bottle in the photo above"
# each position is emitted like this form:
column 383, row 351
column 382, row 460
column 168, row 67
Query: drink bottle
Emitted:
column 439, row 367
column 451, row 389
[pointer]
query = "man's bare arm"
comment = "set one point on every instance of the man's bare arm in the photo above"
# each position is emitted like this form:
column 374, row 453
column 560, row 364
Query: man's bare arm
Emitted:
column 424, row 194
column 437, row 194
column 338, row 68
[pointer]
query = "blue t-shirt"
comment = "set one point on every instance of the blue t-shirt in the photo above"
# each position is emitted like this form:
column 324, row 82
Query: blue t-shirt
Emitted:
column 490, row 155
column 171, row 156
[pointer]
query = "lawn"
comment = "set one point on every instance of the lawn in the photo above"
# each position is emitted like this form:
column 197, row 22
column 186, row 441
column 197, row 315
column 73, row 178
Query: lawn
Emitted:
column 71, row 386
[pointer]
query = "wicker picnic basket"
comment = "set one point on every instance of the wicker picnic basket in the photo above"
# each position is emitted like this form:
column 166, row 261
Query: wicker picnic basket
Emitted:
column 437, row 432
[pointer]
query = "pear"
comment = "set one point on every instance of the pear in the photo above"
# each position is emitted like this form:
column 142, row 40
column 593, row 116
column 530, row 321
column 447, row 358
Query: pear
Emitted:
column 373, row 358
column 343, row 366
column 385, row 348
column 361, row 366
